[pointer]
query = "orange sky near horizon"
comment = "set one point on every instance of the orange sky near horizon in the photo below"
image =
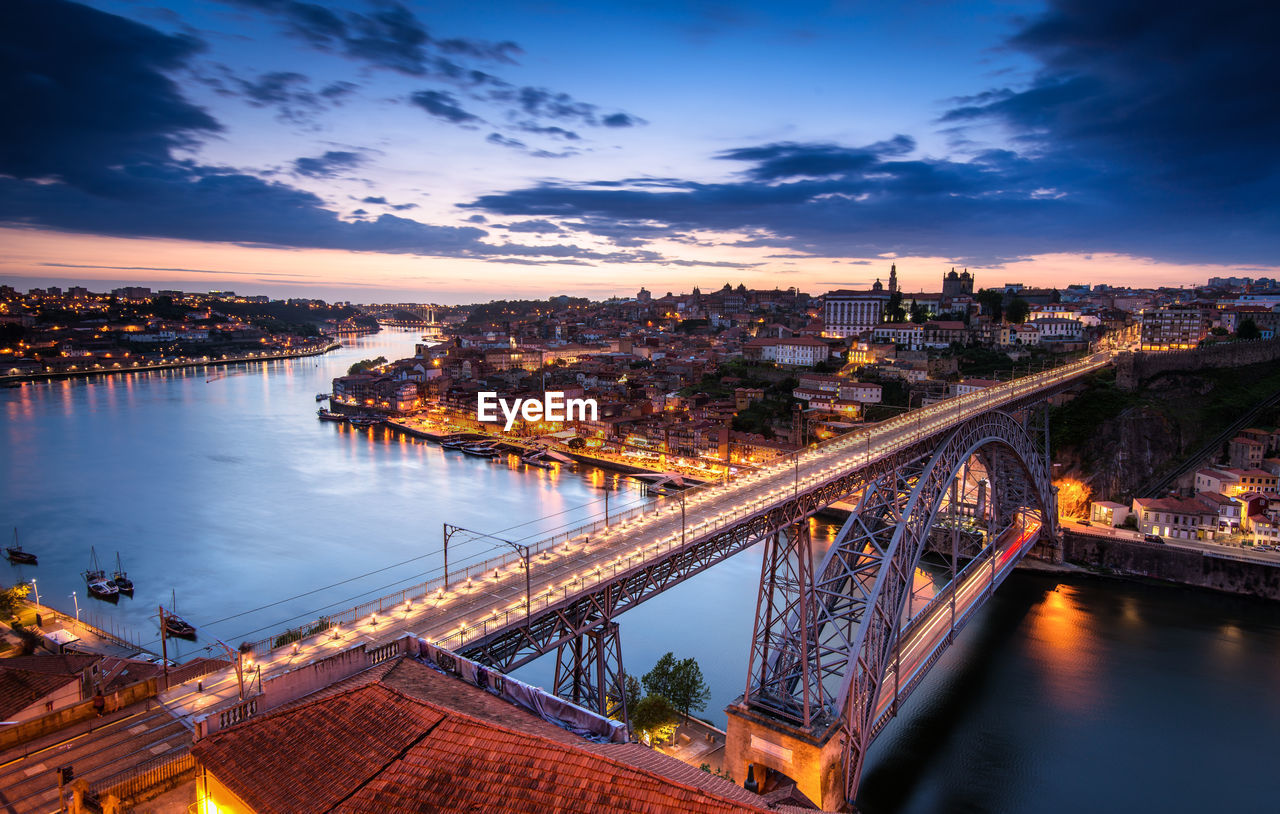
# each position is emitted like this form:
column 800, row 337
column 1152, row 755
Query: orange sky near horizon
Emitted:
column 36, row 258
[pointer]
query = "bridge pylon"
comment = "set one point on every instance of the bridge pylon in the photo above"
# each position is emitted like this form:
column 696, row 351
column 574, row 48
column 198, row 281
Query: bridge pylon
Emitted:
column 589, row 671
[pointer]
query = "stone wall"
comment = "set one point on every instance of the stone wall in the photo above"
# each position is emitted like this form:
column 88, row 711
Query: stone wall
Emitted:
column 1185, row 566
column 1132, row 369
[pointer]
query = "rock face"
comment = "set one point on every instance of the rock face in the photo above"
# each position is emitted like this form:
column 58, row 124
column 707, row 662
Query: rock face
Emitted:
column 1142, row 441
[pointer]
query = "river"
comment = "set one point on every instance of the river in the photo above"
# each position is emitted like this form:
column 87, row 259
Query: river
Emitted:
column 220, row 487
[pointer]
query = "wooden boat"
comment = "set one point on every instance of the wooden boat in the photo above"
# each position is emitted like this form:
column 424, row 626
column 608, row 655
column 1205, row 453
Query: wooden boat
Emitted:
column 175, row 625
column 479, row 451
column 96, row 580
column 321, row 396
column 362, row 421
column 330, row 415
column 120, row 579
column 17, row 555
column 538, row 462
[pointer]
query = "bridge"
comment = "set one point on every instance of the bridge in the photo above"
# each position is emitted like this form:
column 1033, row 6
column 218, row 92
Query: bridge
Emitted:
column 837, row 645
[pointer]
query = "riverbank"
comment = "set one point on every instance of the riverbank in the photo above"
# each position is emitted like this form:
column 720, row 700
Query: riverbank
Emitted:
column 1223, row 572
column 420, row 433
column 119, row 368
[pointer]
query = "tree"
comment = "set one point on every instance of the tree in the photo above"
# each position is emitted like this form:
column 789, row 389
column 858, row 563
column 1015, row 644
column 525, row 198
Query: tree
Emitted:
column 655, row 715
column 919, row 314
column 893, row 310
column 1018, row 311
column 366, row 364
column 1248, row 329
column 992, row 302
column 11, row 600
column 680, row 682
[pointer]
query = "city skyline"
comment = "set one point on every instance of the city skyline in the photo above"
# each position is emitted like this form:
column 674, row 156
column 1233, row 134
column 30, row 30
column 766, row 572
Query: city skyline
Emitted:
column 380, row 151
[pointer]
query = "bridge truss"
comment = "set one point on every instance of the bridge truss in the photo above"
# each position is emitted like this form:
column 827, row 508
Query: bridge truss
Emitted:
column 827, row 646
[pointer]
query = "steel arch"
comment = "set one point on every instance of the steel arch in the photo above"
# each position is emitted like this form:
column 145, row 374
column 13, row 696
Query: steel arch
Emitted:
column 870, row 568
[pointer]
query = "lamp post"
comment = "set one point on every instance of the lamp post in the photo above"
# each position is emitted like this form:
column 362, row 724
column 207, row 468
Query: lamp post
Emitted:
column 523, row 551
column 77, row 603
column 36, row 590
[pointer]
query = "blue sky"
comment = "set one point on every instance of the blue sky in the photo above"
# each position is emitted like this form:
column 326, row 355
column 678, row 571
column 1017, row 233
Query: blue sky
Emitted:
column 458, row 151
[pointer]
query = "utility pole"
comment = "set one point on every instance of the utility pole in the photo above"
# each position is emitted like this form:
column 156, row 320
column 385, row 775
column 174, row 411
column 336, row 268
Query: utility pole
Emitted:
column 164, row 650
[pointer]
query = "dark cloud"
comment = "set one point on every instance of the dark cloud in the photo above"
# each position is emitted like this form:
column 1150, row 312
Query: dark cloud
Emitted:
column 330, row 165
column 95, row 151
column 504, row 141
column 535, row 226
column 288, row 92
column 443, row 105
column 388, row 35
column 621, row 120
column 381, row 201
column 85, row 91
column 1149, row 129
column 547, row 130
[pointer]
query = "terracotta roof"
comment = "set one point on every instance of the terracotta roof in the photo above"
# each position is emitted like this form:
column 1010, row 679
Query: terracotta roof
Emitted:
column 317, row 752
column 64, row 664
column 416, row 740
column 20, row 689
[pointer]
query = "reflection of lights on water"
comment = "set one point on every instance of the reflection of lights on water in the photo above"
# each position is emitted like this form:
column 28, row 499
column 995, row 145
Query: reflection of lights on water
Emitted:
column 1062, row 643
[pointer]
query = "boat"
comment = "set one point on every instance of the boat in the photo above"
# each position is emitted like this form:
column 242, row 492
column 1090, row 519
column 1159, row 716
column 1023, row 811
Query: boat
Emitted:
column 96, row 580
column 363, row 421
column 120, row 579
column 453, row 443
column 321, row 396
column 16, row 554
column 175, row 625
column 330, row 415
column 479, row 451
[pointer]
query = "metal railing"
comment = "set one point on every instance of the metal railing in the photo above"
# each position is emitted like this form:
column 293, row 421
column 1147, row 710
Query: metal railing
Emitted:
column 862, row 448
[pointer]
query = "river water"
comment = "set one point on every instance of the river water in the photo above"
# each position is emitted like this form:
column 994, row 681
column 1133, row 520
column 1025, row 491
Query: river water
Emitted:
column 221, row 488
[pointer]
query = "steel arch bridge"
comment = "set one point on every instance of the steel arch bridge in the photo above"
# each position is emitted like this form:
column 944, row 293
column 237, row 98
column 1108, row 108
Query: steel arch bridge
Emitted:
column 836, row 648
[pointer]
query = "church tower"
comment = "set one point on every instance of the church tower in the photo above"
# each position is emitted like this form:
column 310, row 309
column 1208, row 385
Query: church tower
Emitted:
column 893, row 277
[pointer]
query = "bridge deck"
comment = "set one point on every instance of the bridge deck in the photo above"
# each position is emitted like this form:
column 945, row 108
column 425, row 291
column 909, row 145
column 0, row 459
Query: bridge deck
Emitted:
column 492, row 603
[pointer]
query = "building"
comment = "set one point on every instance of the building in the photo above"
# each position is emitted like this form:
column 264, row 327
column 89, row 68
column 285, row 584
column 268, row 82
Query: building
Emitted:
column 796, row 351
column 446, row 736
column 1245, row 453
column 957, row 285
column 1175, row 518
column 851, row 313
column 1107, row 513
column 1172, row 328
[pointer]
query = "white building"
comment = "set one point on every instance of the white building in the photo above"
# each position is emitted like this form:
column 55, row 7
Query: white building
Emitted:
column 850, row 313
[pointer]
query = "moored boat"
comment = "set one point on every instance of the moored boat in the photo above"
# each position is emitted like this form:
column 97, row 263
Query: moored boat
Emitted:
column 17, row 555
column 120, row 579
column 174, row 625
column 321, row 396
column 480, row 451
column 363, row 421
column 330, row 415
column 96, row 580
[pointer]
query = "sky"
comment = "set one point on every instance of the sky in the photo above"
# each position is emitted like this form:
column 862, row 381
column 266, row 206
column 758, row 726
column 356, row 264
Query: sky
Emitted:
column 379, row 150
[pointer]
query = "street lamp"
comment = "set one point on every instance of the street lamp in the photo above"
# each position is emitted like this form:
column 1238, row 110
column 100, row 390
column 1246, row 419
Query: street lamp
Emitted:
column 523, row 551
column 77, row 603
column 37, row 592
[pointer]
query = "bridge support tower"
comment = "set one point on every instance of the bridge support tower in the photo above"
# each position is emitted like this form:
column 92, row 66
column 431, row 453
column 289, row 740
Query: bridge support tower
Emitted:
column 589, row 671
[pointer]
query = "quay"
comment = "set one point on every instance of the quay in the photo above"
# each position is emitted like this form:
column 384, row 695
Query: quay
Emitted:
column 267, row 356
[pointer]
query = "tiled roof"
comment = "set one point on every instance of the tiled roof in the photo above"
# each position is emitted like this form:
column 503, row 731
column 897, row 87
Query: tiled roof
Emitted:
column 416, row 740
column 318, row 752
column 20, row 689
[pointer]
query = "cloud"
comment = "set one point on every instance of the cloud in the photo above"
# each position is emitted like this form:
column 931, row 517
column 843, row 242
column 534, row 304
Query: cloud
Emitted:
column 86, row 91
column 330, row 165
column 288, row 92
column 381, row 201
column 536, row 226
column 504, row 141
column 388, row 36
column 443, row 105
column 1147, row 130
